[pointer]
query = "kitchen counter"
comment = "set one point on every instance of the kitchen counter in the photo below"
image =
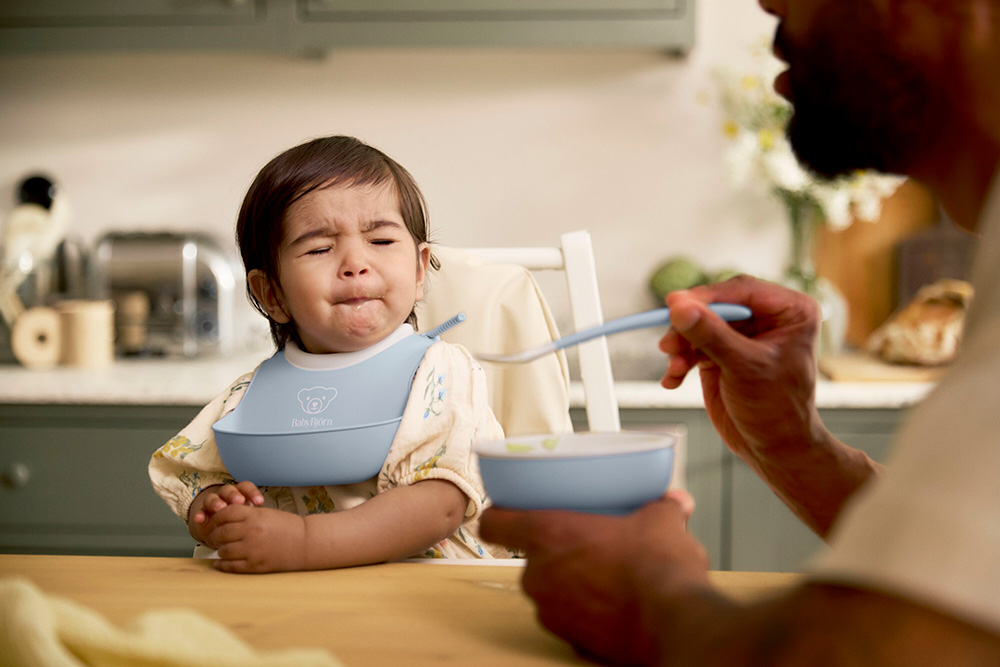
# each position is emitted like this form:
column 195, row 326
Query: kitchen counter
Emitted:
column 60, row 428
column 829, row 395
column 197, row 381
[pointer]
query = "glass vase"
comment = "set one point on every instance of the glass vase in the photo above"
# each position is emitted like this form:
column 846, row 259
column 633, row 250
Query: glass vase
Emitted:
column 804, row 217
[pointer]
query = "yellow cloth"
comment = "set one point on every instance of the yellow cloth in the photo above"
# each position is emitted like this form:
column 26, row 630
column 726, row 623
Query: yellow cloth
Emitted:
column 505, row 312
column 38, row 630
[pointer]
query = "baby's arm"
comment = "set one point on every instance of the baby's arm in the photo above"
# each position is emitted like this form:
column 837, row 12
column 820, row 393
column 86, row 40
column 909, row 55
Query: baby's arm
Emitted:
column 395, row 524
column 213, row 500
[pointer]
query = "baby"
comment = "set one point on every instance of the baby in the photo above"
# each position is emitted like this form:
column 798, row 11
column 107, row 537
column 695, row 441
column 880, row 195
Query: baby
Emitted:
column 333, row 236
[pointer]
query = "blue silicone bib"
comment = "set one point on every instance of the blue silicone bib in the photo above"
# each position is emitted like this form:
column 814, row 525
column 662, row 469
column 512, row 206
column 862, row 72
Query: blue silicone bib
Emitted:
column 304, row 427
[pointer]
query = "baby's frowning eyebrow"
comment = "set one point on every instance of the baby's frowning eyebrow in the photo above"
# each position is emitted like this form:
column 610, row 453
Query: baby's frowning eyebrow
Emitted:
column 327, row 232
column 375, row 225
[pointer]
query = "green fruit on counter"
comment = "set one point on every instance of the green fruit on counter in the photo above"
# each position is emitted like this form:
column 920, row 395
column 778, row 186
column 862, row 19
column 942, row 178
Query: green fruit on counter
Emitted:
column 676, row 273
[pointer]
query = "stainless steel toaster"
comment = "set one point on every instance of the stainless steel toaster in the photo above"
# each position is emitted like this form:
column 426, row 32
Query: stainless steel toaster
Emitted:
column 174, row 292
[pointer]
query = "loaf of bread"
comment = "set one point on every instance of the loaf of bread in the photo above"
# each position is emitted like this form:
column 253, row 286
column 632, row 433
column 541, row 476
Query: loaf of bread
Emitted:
column 928, row 330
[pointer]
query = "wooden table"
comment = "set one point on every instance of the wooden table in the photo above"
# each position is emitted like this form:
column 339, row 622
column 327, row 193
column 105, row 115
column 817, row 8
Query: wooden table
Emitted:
column 427, row 613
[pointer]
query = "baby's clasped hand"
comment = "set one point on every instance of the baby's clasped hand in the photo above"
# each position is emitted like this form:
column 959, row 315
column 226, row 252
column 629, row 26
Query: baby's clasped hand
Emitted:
column 216, row 498
column 258, row 539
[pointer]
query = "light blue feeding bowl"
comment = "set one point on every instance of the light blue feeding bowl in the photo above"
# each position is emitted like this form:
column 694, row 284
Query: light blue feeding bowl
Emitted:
column 607, row 473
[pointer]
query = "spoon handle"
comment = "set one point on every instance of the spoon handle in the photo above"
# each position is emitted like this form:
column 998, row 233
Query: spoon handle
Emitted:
column 730, row 312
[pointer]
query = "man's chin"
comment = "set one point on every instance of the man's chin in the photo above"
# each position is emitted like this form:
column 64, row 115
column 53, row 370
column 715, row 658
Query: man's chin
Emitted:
column 829, row 155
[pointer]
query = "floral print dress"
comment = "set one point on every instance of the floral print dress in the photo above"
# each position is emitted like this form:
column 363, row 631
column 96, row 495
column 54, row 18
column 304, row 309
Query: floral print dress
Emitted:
column 446, row 413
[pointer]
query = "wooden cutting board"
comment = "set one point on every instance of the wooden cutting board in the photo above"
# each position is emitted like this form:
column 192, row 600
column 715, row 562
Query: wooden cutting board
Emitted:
column 860, row 260
column 861, row 367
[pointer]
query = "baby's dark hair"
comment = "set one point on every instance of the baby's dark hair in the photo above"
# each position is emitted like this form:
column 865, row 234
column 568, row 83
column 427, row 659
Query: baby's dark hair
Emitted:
column 320, row 163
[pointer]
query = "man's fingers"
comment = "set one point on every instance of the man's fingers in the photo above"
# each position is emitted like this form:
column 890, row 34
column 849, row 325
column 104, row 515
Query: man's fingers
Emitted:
column 707, row 332
column 507, row 527
column 678, row 366
column 684, row 499
column 531, row 530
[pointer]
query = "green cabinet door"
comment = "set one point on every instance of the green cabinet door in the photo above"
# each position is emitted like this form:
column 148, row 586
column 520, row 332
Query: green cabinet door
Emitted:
column 741, row 523
column 73, row 479
column 766, row 536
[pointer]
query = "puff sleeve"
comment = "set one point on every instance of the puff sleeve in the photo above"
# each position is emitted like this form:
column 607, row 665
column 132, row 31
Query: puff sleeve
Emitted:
column 446, row 414
column 189, row 462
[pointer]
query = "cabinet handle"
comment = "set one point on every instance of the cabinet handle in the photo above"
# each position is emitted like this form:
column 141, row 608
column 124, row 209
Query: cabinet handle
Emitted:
column 17, row 475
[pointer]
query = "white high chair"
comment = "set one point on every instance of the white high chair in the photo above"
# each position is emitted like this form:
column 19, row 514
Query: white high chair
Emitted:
column 506, row 312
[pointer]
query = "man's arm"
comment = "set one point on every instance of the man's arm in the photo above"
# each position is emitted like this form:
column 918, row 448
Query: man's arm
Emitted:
column 817, row 482
column 634, row 590
column 814, row 624
column 759, row 383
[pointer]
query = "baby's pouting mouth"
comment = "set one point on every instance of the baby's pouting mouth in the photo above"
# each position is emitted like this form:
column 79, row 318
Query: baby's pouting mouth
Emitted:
column 357, row 302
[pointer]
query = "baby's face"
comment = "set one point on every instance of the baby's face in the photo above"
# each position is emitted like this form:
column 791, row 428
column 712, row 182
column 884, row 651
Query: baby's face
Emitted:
column 349, row 271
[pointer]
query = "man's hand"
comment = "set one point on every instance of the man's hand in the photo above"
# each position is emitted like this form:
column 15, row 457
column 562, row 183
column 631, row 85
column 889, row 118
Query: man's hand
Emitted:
column 258, row 539
column 590, row 574
column 758, row 378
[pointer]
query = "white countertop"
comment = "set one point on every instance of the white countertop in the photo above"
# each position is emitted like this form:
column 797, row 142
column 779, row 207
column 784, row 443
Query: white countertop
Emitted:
column 195, row 382
column 829, row 395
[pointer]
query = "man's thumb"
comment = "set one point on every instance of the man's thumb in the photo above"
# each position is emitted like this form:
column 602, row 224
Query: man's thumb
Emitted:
column 708, row 333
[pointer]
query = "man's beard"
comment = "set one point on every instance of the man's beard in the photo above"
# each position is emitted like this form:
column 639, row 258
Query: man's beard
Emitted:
column 858, row 105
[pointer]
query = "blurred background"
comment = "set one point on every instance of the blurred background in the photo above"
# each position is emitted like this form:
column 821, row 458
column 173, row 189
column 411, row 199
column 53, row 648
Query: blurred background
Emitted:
column 512, row 145
column 519, row 120
column 130, row 131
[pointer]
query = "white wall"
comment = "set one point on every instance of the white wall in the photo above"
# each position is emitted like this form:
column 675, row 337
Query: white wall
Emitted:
column 510, row 147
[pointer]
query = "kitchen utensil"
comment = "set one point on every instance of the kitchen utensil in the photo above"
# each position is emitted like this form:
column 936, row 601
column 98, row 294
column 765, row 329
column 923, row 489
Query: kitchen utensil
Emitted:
column 651, row 318
column 608, row 473
column 36, row 338
column 37, row 225
column 88, row 328
column 32, row 231
column 37, row 189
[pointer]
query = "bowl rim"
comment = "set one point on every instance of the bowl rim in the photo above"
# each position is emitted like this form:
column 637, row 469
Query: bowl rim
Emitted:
column 634, row 442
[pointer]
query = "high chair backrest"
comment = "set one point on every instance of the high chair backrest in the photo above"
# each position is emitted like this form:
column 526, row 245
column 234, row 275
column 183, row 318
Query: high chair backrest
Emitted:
column 510, row 314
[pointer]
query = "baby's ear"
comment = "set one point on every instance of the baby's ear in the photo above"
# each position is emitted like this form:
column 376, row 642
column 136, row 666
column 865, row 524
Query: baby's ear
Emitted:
column 423, row 260
column 268, row 295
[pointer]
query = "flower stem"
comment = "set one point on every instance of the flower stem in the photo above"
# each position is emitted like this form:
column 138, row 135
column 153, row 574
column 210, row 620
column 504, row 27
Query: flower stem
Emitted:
column 802, row 217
